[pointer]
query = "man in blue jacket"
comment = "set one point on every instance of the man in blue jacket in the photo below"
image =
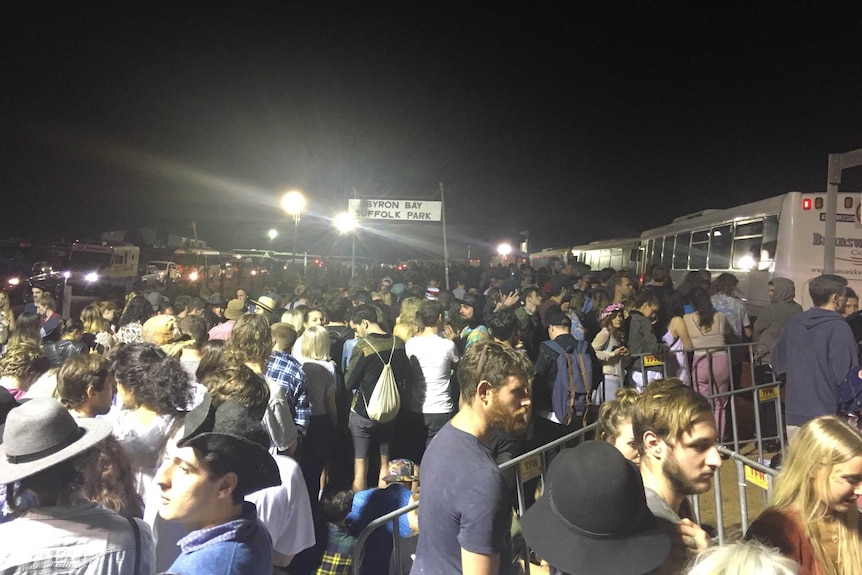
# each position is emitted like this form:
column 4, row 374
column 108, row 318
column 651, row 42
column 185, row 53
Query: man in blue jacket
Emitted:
column 815, row 351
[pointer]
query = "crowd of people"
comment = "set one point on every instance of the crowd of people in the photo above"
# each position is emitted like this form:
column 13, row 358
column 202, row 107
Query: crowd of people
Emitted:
column 263, row 434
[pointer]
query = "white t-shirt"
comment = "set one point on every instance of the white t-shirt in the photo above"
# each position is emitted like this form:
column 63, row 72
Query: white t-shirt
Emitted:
column 286, row 509
column 436, row 357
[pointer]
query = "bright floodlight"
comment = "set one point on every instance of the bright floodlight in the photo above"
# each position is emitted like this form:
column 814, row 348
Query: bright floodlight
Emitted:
column 345, row 222
column 293, row 203
column 504, row 249
column 273, row 233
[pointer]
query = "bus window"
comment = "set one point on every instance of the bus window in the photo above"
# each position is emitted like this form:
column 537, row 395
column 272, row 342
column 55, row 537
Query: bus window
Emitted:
column 699, row 249
column 770, row 240
column 680, row 251
column 747, row 240
column 667, row 252
column 652, row 259
column 719, row 248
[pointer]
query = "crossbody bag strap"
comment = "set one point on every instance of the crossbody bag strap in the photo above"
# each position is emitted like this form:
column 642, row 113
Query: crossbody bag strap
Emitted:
column 137, row 531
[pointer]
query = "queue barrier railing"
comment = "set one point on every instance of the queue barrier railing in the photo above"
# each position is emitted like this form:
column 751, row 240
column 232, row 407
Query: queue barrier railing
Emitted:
column 533, row 464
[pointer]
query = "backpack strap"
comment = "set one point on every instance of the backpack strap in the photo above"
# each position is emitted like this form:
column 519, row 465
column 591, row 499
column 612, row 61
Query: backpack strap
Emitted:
column 391, row 353
column 572, row 392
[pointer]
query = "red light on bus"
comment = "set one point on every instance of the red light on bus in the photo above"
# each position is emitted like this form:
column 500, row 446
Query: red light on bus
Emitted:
column 806, row 203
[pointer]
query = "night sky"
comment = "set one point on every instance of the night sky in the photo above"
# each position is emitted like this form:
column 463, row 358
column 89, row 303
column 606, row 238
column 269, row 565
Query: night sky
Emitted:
column 575, row 120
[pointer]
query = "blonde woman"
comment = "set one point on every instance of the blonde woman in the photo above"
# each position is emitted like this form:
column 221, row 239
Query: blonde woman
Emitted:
column 320, row 374
column 405, row 325
column 814, row 516
column 615, row 423
column 7, row 317
column 97, row 333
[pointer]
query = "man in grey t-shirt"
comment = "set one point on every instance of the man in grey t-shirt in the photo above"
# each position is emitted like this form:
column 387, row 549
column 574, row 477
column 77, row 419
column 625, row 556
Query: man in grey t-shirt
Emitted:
column 466, row 513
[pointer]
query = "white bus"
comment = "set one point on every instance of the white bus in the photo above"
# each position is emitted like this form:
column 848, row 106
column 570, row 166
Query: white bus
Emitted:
column 781, row 236
column 615, row 253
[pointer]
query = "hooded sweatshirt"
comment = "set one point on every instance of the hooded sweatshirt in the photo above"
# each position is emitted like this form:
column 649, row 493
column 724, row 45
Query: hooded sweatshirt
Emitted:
column 815, row 350
column 770, row 323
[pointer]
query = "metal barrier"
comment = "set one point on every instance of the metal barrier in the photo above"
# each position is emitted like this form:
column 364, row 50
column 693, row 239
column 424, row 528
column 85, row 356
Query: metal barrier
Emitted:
column 533, row 463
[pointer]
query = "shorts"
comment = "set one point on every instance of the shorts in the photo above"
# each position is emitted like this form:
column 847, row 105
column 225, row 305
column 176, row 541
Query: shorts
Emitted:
column 366, row 431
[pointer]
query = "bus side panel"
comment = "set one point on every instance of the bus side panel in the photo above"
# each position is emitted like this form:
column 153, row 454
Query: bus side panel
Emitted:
column 799, row 256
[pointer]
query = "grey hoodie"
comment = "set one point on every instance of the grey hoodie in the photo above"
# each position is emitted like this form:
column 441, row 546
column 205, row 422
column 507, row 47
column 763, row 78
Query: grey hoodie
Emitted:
column 768, row 326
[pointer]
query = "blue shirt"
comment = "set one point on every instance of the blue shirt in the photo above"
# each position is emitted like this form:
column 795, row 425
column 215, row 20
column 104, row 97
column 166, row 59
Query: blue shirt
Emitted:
column 284, row 369
column 368, row 505
column 238, row 547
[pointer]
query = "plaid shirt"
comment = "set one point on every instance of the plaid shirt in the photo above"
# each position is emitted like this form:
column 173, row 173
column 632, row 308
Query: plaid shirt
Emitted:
column 284, row 369
column 337, row 557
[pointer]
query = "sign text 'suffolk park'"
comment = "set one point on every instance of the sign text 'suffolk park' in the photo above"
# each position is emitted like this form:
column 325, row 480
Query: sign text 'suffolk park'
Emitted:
column 398, row 210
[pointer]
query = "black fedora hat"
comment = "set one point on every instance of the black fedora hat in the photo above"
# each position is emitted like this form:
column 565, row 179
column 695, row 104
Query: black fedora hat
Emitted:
column 232, row 421
column 593, row 517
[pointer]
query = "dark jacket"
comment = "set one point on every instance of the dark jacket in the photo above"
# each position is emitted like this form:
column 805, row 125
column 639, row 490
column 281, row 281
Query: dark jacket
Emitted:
column 815, row 351
column 770, row 323
column 61, row 350
column 546, row 371
column 366, row 365
column 642, row 338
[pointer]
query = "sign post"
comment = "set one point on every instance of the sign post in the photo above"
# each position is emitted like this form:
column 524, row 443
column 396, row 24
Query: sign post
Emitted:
column 404, row 211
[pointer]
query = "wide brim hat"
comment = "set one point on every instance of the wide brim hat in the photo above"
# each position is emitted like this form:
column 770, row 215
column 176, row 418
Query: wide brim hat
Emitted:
column 235, row 309
column 232, row 422
column 593, row 517
column 264, row 302
column 217, row 300
column 42, row 433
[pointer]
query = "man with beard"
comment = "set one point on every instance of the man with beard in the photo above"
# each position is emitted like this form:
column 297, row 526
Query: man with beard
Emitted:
column 466, row 516
column 675, row 434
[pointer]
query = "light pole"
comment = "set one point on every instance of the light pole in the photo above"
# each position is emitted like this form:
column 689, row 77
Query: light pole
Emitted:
column 293, row 203
column 346, row 223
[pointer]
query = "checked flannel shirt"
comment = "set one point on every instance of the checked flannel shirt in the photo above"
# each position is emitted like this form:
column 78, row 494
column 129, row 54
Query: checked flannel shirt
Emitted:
column 287, row 371
column 338, row 557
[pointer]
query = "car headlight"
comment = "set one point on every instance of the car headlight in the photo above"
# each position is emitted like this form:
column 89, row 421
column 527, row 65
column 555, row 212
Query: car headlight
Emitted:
column 91, row 277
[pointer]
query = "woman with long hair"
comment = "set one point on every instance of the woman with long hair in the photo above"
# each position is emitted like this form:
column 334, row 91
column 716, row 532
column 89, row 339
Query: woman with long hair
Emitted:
column 677, row 339
column 710, row 365
column 610, row 347
column 814, row 516
column 26, row 329
column 137, row 311
column 97, row 334
column 7, row 318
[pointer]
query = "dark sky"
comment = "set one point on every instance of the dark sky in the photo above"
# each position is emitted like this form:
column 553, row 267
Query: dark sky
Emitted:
column 576, row 120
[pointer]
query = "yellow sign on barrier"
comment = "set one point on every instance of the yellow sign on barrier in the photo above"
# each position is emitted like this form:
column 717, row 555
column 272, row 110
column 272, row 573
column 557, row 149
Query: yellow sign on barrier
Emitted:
column 756, row 477
column 768, row 393
column 531, row 468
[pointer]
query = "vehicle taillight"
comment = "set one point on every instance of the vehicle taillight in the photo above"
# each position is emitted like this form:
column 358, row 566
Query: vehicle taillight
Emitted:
column 806, row 203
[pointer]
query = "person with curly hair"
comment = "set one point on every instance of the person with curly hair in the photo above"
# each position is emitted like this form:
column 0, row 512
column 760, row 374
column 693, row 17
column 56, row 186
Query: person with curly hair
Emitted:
column 22, row 365
column 154, row 392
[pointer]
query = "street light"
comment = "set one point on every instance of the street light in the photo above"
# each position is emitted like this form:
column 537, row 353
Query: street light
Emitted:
column 346, row 223
column 504, row 249
column 273, row 233
column 293, row 203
